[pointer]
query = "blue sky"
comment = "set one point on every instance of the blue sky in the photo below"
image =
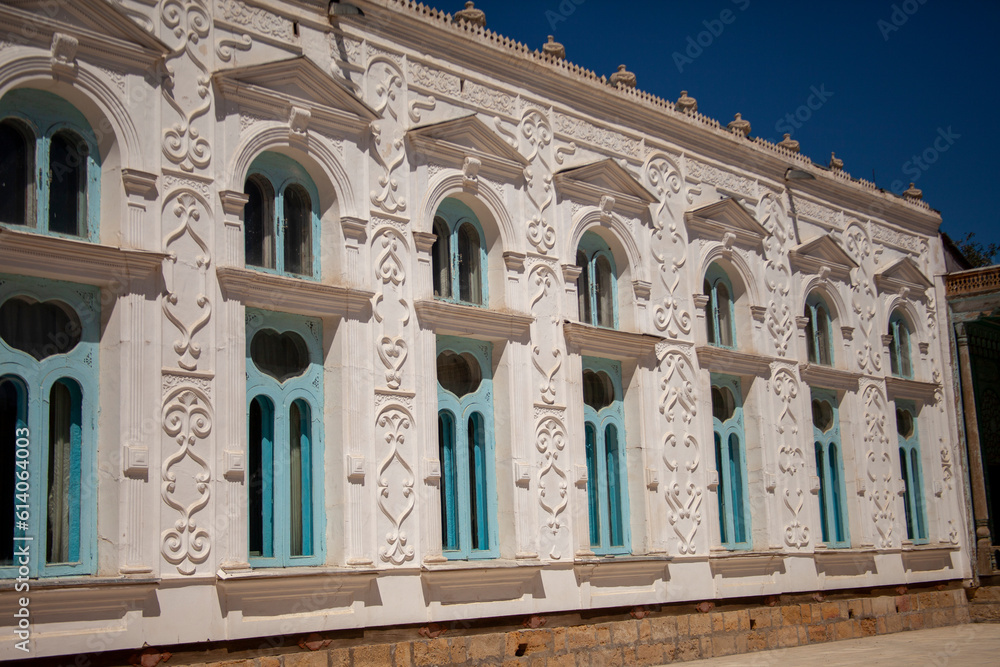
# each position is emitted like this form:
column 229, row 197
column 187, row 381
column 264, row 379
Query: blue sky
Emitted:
column 907, row 89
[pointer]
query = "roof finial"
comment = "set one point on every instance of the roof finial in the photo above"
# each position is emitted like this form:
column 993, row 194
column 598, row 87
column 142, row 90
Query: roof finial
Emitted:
column 623, row 77
column 789, row 143
column 913, row 193
column 471, row 15
column 739, row 126
column 554, row 49
column 686, row 104
column 836, row 163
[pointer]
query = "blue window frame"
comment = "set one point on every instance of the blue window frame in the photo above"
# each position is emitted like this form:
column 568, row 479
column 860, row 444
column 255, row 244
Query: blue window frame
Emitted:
column 284, row 439
column 730, row 461
column 466, row 449
column 899, row 346
column 49, row 340
column 458, row 257
column 719, row 316
column 281, row 218
column 604, row 429
column 909, row 465
column 50, row 166
column 596, row 292
column 829, row 467
column 818, row 330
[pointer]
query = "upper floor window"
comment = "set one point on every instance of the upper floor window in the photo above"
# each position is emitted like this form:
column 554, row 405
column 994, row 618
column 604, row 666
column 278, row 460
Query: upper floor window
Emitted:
column 281, row 219
column 730, row 462
column 459, row 254
column 595, row 287
column 285, row 439
column 466, row 449
column 719, row 315
column 49, row 166
column 48, row 408
column 899, row 346
column 604, row 429
column 829, row 467
column 909, row 465
column 818, row 330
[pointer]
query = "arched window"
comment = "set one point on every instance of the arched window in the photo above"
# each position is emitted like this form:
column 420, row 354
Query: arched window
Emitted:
column 42, row 133
column 466, row 449
column 285, row 439
column 909, row 465
column 604, row 429
column 719, row 316
column 595, row 287
column 459, row 255
column 818, row 330
column 730, row 461
column 899, row 346
column 17, row 173
column 48, row 391
column 281, row 218
column 829, row 467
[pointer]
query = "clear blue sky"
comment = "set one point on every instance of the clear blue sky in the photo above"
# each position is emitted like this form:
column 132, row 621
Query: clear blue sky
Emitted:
column 896, row 80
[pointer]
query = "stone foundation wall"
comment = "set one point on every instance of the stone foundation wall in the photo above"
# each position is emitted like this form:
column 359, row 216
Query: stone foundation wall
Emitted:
column 639, row 636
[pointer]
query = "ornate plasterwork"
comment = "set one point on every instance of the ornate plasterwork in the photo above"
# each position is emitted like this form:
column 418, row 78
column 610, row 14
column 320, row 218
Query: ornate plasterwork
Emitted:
column 878, row 470
column 387, row 95
column 680, row 449
column 726, row 180
column 672, row 313
column 780, row 313
column 586, row 132
column 791, row 459
column 536, row 137
column 864, row 299
column 395, row 481
column 188, row 419
column 226, row 47
column 435, row 79
column 255, row 18
column 553, row 481
column 188, row 211
column 490, row 99
column 116, row 77
column 184, row 144
column 896, row 238
column 818, row 212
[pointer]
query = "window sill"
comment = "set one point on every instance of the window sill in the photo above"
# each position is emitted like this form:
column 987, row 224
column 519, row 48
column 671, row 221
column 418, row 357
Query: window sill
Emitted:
column 608, row 343
column 912, row 390
column 734, row 362
column 816, row 375
column 456, row 319
column 79, row 261
column 270, row 291
column 60, row 599
column 284, row 590
column 463, row 582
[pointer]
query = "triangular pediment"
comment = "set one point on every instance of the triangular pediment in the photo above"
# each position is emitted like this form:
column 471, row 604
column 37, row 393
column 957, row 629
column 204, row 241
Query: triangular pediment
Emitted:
column 465, row 136
column 96, row 22
column 605, row 177
column 822, row 251
column 726, row 216
column 298, row 81
column 904, row 272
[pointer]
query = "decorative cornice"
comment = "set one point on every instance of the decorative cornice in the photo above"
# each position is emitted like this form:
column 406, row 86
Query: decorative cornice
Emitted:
column 455, row 319
column 293, row 295
column 139, row 183
column 816, row 375
column 724, row 360
column 67, row 259
column 454, row 142
column 609, row 343
column 823, row 251
column 726, row 219
column 910, row 390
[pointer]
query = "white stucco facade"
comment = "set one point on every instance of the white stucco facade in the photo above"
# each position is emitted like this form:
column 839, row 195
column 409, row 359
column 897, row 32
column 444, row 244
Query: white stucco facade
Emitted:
column 391, row 115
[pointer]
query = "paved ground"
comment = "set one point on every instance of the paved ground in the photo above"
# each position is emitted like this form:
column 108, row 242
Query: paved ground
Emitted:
column 976, row 644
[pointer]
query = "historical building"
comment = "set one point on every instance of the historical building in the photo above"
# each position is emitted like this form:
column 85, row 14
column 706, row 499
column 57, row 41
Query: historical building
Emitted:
column 320, row 318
